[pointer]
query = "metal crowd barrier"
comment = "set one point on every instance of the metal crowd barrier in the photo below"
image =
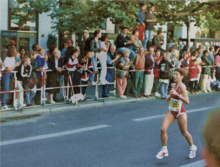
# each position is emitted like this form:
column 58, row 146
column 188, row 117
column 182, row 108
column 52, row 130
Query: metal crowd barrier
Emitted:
column 43, row 90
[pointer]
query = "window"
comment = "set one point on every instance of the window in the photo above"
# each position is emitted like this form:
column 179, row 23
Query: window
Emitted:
column 20, row 20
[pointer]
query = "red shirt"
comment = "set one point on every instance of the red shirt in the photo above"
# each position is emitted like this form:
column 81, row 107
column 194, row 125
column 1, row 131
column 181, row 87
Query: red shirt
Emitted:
column 156, row 68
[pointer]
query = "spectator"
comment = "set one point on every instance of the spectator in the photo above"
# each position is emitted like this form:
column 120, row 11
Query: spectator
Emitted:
column 138, row 64
column 157, row 59
column 149, row 73
column 123, row 41
column 211, row 56
column 95, row 46
column 171, row 44
column 217, row 48
column 165, row 67
column 175, row 59
column 55, row 64
column 112, row 57
column 194, row 47
column 149, row 26
column 187, row 50
column 211, row 150
column 63, row 51
column 44, row 58
column 51, row 50
column 184, row 64
column 205, row 71
column 136, row 43
column 22, row 52
column 158, row 40
column 121, row 76
column 37, row 69
column 35, row 47
column 217, row 63
column 141, row 18
column 80, row 56
column 194, row 71
column 70, row 48
column 199, row 50
column 213, row 80
column 86, row 70
column 72, row 65
column 18, row 57
column 9, row 65
column 23, row 75
column 103, row 59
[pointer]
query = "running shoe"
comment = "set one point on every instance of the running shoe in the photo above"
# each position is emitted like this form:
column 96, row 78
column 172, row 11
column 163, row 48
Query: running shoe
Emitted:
column 123, row 97
column 94, row 83
column 162, row 153
column 192, row 153
column 5, row 107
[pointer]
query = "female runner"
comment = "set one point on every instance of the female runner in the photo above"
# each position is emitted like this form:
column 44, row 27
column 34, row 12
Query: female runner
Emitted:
column 178, row 96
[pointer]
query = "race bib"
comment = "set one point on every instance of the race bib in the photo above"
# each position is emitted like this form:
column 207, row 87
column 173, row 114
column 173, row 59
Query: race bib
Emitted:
column 174, row 105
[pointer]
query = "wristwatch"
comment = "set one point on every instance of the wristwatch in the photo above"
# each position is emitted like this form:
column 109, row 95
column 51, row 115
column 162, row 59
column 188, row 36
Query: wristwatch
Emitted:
column 178, row 95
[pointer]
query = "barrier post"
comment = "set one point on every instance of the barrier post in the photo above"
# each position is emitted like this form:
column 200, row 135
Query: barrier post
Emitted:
column 15, row 92
column 115, row 81
column 68, row 85
column 97, row 87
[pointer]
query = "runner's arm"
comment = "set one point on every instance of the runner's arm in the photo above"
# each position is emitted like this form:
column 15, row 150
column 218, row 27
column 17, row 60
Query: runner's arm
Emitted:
column 184, row 96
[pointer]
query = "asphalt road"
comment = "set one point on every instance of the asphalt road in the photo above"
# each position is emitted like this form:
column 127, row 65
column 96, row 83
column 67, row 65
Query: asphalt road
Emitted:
column 113, row 135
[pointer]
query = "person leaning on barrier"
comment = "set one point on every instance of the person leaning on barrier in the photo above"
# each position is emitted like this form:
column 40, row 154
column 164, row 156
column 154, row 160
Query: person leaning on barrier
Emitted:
column 86, row 70
column 72, row 65
column 157, row 59
column 138, row 64
column 69, row 48
column 55, row 64
column 9, row 65
column 24, row 72
column 122, row 66
column 35, row 47
column 211, row 137
column 112, row 58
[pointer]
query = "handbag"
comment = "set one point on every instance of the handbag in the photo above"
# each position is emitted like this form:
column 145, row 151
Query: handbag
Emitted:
column 32, row 82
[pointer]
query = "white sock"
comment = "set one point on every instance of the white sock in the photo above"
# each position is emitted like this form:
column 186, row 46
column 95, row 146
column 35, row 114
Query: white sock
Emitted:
column 191, row 147
column 164, row 148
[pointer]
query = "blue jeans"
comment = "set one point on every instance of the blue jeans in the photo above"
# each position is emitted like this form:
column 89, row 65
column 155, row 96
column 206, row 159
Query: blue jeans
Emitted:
column 29, row 95
column 131, row 52
column 147, row 37
column 94, row 63
column 109, row 76
column 5, row 86
column 164, row 89
column 156, row 84
column 215, row 83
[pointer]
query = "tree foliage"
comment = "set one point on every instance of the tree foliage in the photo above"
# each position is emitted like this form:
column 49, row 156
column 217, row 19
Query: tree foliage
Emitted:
column 78, row 15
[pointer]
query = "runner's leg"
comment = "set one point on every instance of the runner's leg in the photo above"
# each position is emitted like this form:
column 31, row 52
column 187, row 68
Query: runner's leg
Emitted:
column 182, row 122
column 167, row 121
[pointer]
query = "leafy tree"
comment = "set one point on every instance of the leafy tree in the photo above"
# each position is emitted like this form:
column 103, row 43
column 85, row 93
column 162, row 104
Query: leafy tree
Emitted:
column 52, row 40
column 79, row 15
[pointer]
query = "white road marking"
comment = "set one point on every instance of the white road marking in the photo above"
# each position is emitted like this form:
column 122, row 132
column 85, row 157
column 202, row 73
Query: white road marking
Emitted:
column 200, row 163
column 7, row 142
column 161, row 116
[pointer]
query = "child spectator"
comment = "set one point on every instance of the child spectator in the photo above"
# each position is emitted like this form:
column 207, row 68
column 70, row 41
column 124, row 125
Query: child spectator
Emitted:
column 165, row 67
column 213, row 81
column 72, row 65
column 9, row 65
column 37, row 69
column 23, row 75
column 157, row 59
column 121, row 76
column 55, row 64
column 194, row 71
column 18, row 57
column 86, row 70
column 43, row 59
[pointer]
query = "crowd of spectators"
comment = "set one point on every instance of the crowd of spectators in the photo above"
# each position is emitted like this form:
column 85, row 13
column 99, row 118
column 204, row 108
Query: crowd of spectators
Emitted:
column 143, row 68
